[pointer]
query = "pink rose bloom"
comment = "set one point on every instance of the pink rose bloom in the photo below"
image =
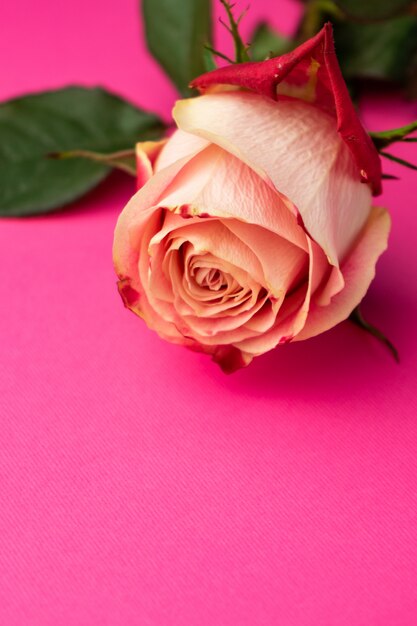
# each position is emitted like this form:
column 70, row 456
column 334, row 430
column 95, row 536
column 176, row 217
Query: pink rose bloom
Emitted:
column 253, row 225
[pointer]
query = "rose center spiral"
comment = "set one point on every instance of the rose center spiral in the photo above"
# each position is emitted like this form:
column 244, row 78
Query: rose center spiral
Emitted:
column 210, row 277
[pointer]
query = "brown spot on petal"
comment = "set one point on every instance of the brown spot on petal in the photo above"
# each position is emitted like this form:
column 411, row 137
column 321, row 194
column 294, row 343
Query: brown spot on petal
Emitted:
column 185, row 211
column 129, row 295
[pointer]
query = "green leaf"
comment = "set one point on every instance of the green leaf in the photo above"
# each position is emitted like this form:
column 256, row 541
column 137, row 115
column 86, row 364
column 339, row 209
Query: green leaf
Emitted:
column 267, row 43
column 316, row 13
column 217, row 53
column 373, row 10
column 411, row 87
column 385, row 138
column 396, row 159
column 380, row 51
column 176, row 33
column 34, row 128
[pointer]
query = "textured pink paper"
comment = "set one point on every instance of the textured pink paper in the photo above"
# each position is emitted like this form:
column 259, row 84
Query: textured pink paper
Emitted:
column 139, row 485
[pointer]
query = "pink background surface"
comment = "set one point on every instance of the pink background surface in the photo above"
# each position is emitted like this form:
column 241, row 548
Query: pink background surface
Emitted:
column 139, row 485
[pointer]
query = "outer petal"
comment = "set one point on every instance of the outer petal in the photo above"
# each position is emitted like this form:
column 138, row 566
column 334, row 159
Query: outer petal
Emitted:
column 178, row 146
column 146, row 154
column 311, row 72
column 283, row 263
column 294, row 313
column 216, row 183
column 358, row 272
column 295, row 148
column 135, row 227
column 134, row 217
column 152, row 156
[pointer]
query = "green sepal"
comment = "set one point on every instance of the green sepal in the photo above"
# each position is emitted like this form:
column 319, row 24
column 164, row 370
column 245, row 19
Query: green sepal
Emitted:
column 241, row 49
column 387, row 137
column 357, row 318
column 398, row 160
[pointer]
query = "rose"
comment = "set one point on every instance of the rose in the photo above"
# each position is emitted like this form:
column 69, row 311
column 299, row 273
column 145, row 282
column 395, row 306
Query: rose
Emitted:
column 255, row 227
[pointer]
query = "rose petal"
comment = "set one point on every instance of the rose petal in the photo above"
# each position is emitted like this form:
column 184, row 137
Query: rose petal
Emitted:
column 212, row 236
column 283, row 263
column 133, row 219
column 217, row 183
column 294, row 147
column 187, row 303
column 146, row 154
column 294, row 312
column 358, row 272
column 310, row 72
column 178, row 146
column 139, row 220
